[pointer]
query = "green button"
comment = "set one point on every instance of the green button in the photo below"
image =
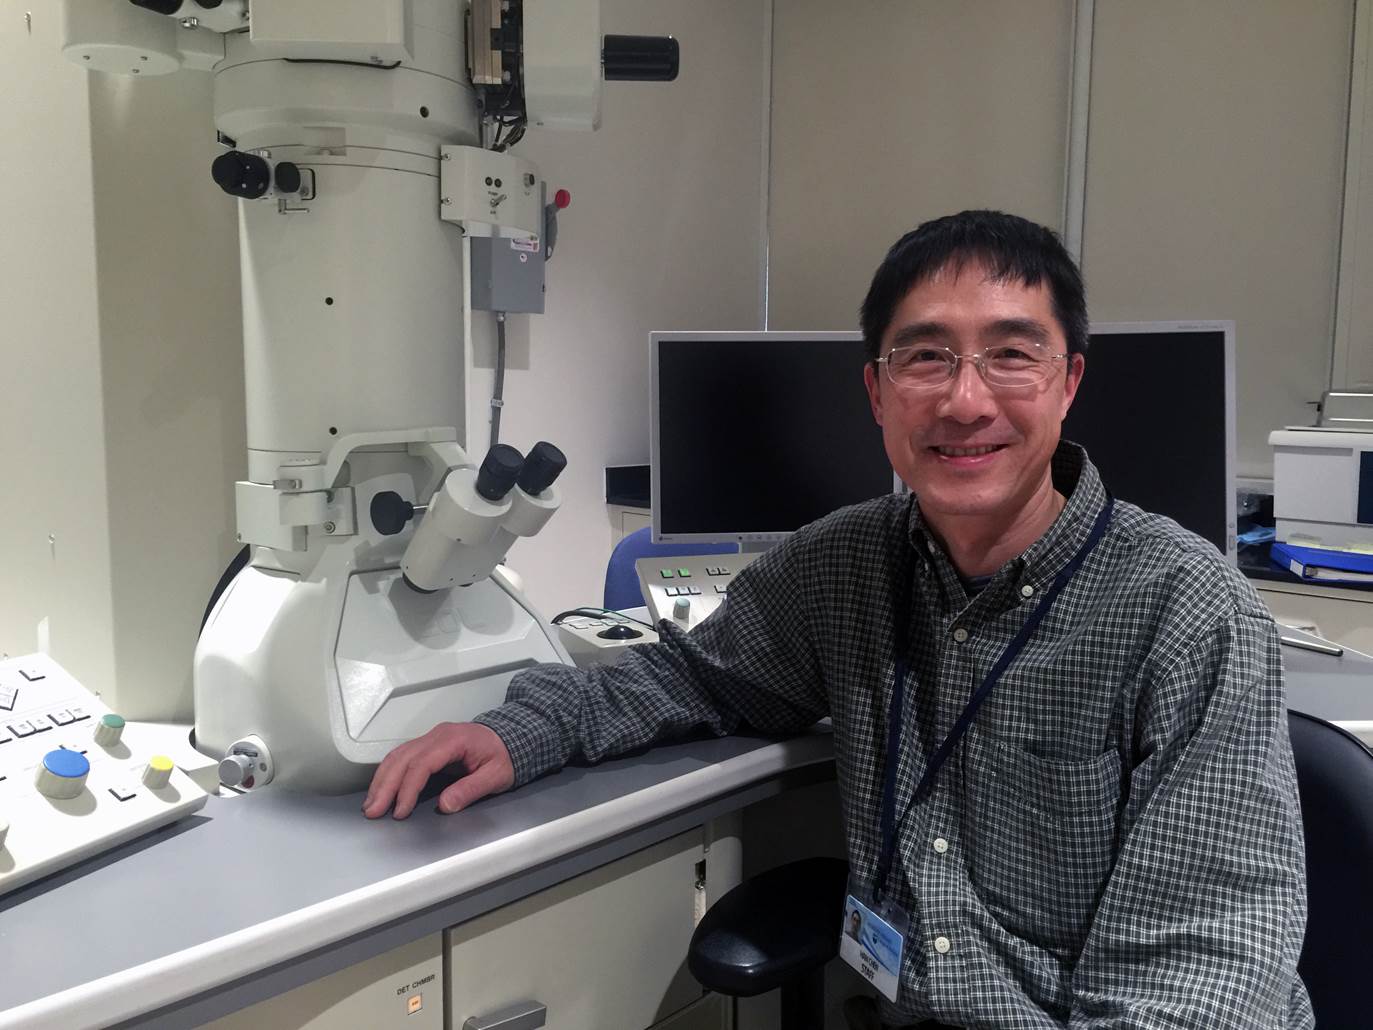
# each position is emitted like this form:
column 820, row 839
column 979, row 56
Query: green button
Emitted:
column 114, row 722
column 684, row 573
column 667, row 573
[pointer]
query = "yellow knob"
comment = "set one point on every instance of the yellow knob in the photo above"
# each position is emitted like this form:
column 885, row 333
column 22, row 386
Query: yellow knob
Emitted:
column 158, row 772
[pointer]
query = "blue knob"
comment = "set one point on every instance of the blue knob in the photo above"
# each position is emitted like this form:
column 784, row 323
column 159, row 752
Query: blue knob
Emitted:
column 68, row 764
column 62, row 774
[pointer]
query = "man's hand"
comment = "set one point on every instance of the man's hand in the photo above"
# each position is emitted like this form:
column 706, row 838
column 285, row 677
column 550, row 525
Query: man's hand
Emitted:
column 403, row 773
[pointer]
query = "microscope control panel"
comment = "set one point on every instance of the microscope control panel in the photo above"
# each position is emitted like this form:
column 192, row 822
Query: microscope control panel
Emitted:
column 70, row 784
column 686, row 589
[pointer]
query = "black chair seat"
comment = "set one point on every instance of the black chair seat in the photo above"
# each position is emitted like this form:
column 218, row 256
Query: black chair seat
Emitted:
column 771, row 929
column 1335, row 779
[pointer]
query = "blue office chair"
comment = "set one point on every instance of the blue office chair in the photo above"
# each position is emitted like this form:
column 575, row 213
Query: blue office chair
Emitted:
column 622, row 582
column 1335, row 780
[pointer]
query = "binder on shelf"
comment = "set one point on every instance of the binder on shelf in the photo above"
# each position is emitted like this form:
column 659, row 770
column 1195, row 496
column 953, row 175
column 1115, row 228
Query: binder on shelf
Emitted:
column 1324, row 565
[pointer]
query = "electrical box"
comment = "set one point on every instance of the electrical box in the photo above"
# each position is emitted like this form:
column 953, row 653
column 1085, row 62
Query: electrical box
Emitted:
column 507, row 275
column 376, row 32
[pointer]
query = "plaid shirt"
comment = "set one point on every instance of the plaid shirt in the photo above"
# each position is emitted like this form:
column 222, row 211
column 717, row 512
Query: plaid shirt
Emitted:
column 1115, row 843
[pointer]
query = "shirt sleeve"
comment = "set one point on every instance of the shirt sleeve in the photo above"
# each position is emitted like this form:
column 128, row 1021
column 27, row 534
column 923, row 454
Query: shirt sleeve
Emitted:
column 1202, row 920
column 753, row 662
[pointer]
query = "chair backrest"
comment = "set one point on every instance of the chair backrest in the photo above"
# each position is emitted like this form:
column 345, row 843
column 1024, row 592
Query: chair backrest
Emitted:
column 1335, row 780
column 622, row 581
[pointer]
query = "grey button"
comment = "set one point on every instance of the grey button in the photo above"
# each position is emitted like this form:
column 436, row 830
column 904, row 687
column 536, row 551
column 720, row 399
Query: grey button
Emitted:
column 942, row 945
column 1027, row 591
column 941, row 845
column 960, row 634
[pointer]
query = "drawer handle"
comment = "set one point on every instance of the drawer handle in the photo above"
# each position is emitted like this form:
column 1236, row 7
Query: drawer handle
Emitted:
column 527, row 1015
column 1320, row 647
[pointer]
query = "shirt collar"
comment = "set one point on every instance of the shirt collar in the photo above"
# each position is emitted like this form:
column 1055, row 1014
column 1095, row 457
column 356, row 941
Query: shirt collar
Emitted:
column 1077, row 479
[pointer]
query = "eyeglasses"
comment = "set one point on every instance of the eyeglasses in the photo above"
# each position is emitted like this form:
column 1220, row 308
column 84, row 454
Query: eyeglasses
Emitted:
column 1008, row 365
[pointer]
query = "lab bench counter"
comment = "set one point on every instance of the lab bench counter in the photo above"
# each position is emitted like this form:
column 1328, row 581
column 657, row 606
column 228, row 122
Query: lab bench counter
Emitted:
column 260, row 893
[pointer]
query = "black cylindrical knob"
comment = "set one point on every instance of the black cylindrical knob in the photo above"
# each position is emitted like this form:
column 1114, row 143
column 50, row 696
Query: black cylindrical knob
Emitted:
column 242, row 175
column 390, row 512
column 159, row 6
column 500, row 469
column 287, row 177
column 640, row 58
column 544, row 464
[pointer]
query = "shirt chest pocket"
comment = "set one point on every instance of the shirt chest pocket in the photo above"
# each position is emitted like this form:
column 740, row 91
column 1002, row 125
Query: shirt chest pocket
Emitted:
column 1041, row 840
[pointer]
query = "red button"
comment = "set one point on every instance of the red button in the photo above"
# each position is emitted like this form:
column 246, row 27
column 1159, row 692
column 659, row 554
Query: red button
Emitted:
column 561, row 199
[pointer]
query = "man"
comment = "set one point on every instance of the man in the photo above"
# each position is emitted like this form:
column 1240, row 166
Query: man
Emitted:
column 1059, row 723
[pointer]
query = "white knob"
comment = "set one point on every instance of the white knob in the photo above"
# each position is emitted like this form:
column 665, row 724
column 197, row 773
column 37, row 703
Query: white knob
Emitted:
column 62, row 774
column 681, row 609
column 109, row 729
column 4, row 830
column 157, row 772
column 235, row 769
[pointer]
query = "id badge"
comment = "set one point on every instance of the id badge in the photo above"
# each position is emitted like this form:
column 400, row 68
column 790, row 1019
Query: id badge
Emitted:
column 872, row 939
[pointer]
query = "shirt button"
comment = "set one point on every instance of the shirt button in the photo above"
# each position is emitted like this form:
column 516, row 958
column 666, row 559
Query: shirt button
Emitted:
column 1027, row 591
column 941, row 845
column 942, row 945
column 960, row 634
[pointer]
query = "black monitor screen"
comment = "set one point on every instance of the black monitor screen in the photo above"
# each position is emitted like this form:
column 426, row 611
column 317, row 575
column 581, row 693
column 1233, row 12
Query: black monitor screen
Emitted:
column 759, row 436
column 1152, row 413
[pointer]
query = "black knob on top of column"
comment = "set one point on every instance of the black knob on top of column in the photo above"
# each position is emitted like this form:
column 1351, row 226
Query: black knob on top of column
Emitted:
column 544, row 464
column 500, row 469
column 167, row 7
column 390, row 512
column 640, row 58
column 242, row 175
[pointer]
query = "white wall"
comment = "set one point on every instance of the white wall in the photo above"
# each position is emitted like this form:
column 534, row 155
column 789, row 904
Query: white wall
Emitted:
column 171, row 354
column 1214, row 174
column 1215, row 183
column 885, row 114
column 123, row 428
column 1353, row 357
column 54, row 548
column 663, row 233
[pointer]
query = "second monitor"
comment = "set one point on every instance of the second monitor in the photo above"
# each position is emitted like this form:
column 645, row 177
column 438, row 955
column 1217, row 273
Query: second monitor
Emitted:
column 756, row 434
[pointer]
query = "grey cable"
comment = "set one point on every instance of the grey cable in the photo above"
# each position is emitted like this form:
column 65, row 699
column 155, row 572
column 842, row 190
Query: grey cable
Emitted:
column 498, row 393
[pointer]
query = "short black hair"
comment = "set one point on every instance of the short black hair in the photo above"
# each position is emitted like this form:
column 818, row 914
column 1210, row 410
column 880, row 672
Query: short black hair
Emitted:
column 1011, row 248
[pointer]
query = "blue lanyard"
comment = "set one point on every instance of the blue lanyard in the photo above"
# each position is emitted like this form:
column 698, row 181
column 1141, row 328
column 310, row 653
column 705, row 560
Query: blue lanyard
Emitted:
column 965, row 720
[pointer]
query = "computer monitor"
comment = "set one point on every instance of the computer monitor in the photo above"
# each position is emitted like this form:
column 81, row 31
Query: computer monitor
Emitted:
column 1156, row 412
column 754, row 435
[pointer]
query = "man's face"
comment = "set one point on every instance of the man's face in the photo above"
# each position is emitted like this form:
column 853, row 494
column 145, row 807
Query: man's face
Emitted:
column 928, row 433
